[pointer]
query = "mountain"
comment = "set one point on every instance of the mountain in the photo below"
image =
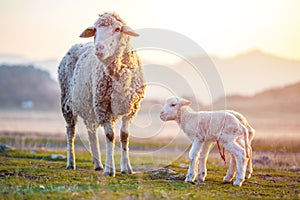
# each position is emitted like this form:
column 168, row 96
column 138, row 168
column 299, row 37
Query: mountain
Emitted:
column 49, row 65
column 27, row 87
column 246, row 74
column 281, row 100
column 256, row 71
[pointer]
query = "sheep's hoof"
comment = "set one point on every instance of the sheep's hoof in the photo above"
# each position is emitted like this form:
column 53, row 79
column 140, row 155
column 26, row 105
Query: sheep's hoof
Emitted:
column 127, row 172
column 71, row 167
column 109, row 172
column 99, row 168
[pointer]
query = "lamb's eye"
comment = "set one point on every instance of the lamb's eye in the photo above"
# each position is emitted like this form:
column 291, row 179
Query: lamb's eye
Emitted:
column 118, row 29
column 173, row 105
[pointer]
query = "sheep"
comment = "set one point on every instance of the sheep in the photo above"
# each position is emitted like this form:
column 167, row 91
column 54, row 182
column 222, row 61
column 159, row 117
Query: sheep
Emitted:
column 102, row 81
column 205, row 127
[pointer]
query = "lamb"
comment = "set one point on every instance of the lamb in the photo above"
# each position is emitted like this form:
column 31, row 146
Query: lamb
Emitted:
column 204, row 128
column 102, row 81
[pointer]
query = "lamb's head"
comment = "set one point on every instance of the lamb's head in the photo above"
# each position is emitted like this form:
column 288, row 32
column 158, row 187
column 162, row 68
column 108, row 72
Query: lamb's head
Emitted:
column 110, row 34
column 172, row 107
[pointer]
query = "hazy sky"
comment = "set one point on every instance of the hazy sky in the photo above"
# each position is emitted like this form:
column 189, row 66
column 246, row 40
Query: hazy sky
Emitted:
column 41, row 29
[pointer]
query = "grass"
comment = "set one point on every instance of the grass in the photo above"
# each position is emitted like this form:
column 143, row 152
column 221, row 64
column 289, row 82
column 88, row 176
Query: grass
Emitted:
column 33, row 175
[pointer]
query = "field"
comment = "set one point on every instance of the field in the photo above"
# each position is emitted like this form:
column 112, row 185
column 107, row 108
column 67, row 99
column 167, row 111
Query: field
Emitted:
column 31, row 171
column 27, row 175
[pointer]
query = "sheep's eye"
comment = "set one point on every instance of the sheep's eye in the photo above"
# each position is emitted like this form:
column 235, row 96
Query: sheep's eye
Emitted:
column 173, row 105
column 118, row 29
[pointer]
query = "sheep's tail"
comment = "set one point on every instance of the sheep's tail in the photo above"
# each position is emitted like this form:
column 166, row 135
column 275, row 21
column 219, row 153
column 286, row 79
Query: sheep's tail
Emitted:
column 246, row 139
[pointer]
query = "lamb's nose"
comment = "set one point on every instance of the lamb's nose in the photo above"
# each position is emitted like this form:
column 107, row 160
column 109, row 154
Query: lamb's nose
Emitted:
column 161, row 114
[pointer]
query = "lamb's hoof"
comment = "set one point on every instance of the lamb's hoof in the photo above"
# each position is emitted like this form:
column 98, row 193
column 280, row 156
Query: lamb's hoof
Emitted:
column 109, row 171
column 200, row 179
column 248, row 176
column 227, row 180
column 71, row 167
column 188, row 180
column 237, row 183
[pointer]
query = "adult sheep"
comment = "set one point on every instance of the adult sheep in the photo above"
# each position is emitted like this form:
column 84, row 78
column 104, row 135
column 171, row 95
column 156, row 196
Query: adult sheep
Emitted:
column 102, row 81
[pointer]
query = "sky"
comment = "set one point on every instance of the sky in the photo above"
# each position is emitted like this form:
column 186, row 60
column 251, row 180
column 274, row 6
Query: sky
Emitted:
column 46, row 29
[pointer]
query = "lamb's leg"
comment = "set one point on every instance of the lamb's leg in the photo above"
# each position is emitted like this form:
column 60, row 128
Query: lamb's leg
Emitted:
column 202, row 172
column 231, row 170
column 124, row 137
column 110, row 145
column 94, row 145
column 240, row 158
column 71, row 122
column 194, row 160
column 249, row 168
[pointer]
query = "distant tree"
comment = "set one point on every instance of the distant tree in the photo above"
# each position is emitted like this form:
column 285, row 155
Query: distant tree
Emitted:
column 19, row 84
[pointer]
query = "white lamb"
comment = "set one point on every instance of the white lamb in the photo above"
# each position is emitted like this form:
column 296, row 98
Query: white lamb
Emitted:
column 204, row 128
column 101, row 82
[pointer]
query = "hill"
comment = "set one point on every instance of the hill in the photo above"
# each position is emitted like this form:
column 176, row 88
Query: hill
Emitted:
column 246, row 74
column 274, row 112
column 27, row 87
column 282, row 99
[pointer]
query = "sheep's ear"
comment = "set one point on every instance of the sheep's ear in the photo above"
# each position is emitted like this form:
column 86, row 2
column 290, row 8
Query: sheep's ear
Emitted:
column 184, row 102
column 129, row 31
column 89, row 32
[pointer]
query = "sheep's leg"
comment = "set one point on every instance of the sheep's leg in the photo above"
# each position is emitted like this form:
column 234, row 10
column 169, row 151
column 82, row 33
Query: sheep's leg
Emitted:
column 71, row 121
column 194, row 160
column 231, row 170
column 202, row 171
column 240, row 158
column 94, row 145
column 124, row 137
column 110, row 145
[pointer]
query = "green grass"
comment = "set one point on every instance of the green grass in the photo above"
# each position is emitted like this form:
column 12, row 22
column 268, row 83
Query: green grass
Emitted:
column 33, row 175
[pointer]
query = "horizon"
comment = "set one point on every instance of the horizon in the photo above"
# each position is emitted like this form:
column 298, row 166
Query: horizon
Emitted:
column 247, row 89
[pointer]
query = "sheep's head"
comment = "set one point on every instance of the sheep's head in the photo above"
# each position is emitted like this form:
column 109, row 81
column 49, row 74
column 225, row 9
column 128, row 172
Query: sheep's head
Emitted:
column 108, row 32
column 171, row 108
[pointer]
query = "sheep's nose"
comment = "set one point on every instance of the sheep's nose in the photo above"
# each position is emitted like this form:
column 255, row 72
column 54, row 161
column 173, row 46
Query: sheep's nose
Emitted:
column 99, row 47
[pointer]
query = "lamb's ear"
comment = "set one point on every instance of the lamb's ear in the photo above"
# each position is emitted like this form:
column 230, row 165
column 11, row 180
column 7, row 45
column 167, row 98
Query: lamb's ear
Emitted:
column 184, row 102
column 89, row 32
column 129, row 31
